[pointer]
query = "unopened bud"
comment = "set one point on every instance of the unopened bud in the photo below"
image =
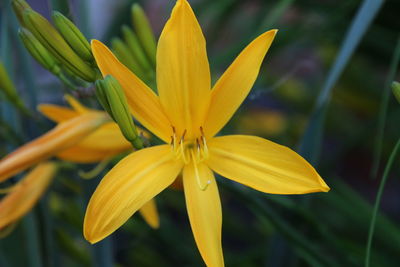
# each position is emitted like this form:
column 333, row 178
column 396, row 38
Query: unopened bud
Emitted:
column 396, row 90
column 19, row 7
column 136, row 49
column 144, row 32
column 38, row 51
column 123, row 53
column 9, row 90
column 112, row 98
column 49, row 37
column 73, row 36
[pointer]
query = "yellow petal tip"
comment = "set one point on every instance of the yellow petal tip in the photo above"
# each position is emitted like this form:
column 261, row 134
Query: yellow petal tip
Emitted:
column 324, row 186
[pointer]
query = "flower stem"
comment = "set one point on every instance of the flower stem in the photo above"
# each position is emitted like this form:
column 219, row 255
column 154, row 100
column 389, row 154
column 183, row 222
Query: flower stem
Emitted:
column 378, row 201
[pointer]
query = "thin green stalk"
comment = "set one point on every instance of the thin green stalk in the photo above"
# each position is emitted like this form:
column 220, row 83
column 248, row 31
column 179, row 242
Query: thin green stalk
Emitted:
column 383, row 109
column 66, row 81
column 378, row 201
column 309, row 147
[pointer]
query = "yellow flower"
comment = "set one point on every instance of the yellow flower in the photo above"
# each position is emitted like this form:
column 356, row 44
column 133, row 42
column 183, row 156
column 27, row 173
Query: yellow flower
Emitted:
column 65, row 135
column 103, row 143
column 187, row 114
column 82, row 135
column 26, row 193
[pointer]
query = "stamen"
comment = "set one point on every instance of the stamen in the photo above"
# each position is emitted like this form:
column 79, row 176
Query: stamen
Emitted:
column 183, row 135
column 205, row 147
column 202, row 131
column 198, row 152
column 183, row 154
column 198, row 179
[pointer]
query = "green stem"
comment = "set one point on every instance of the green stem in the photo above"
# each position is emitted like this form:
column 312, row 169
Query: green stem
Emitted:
column 383, row 109
column 66, row 82
column 378, row 201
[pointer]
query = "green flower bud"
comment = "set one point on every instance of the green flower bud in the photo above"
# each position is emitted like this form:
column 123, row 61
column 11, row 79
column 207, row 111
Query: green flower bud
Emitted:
column 102, row 97
column 123, row 53
column 73, row 36
column 111, row 96
column 136, row 49
column 49, row 37
column 396, row 90
column 9, row 90
column 39, row 52
column 143, row 29
column 19, row 7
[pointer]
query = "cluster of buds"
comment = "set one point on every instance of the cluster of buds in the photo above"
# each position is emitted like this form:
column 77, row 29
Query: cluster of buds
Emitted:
column 64, row 51
column 137, row 48
column 60, row 49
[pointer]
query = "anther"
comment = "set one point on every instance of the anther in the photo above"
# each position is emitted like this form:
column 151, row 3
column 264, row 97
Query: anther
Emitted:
column 183, row 136
column 201, row 131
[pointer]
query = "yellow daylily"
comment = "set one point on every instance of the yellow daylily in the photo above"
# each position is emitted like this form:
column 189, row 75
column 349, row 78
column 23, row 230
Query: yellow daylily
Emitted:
column 82, row 135
column 26, row 193
column 63, row 136
column 103, row 143
column 187, row 114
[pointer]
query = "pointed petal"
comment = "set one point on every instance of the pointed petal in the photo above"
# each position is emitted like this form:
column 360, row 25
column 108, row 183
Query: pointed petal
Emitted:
column 81, row 154
column 26, row 193
column 75, row 104
column 65, row 135
column 107, row 141
column 205, row 215
column 57, row 113
column 133, row 182
column 144, row 104
column 263, row 165
column 108, row 136
column 183, row 74
column 150, row 214
column 235, row 84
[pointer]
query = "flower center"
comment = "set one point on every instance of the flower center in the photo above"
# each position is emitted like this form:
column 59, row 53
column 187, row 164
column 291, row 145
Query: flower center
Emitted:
column 193, row 151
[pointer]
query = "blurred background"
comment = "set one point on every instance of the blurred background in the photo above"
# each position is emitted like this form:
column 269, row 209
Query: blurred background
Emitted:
column 323, row 90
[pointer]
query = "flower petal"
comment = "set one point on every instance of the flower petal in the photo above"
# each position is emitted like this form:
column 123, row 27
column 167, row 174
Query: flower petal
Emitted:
column 108, row 136
column 81, row 154
column 57, row 113
column 205, row 215
column 65, row 135
column 133, row 182
column 26, row 193
column 150, row 214
column 107, row 141
column 183, row 74
column 235, row 84
column 263, row 165
column 76, row 105
column 144, row 104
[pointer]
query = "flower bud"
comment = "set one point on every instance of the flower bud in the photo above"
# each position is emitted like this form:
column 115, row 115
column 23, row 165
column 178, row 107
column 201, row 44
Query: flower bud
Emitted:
column 9, row 90
column 49, row 37
column 38, row 51
column 125, row 55
column 144, row 32
column 19, row 7
column 73, row 36
column 112, row 98
column 136, row 49
column 396, row 90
